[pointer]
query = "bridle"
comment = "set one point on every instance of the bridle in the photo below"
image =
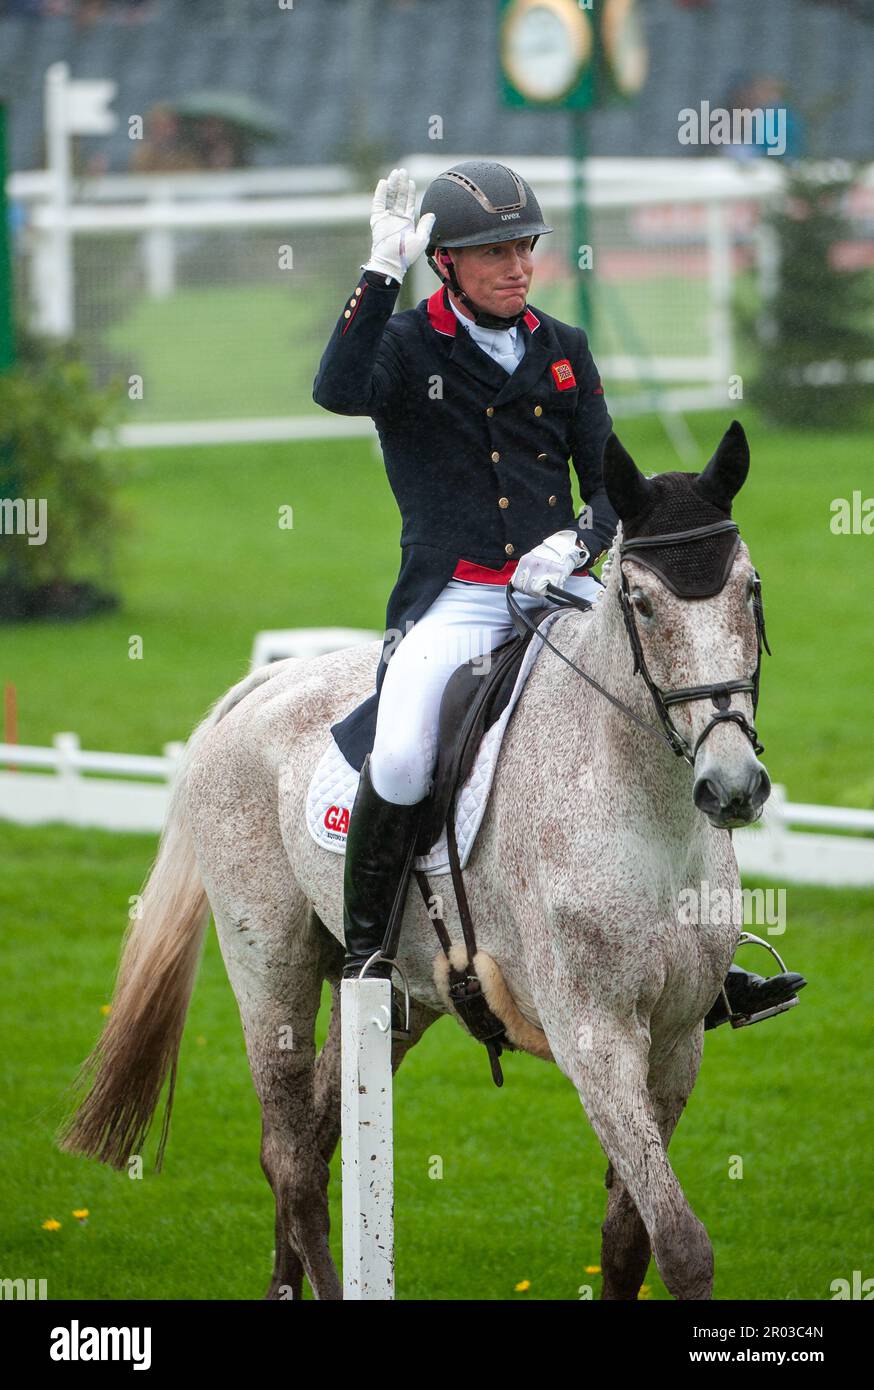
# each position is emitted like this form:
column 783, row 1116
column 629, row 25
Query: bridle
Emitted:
column 720, row 692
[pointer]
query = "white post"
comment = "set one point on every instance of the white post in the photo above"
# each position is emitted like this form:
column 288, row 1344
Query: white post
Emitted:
column 71, row 108
column 720, row 276
column 68, row 746
column 367, row 1140
column 159, row 250
column 58, row 314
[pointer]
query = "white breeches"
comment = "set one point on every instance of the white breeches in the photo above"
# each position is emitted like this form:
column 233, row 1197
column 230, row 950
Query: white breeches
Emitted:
column 465, row 621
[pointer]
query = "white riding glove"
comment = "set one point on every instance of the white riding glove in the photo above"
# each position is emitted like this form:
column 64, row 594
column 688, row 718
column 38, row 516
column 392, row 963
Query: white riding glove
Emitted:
column 397, row 240
column 548, row 563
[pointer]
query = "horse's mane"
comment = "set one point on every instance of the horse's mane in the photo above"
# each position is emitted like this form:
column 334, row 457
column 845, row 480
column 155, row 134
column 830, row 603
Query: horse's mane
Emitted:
column 607, row 567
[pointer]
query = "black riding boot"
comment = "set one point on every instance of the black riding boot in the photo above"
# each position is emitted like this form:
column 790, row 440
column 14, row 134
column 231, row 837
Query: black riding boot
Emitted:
column 379, row 847
column 750, row 994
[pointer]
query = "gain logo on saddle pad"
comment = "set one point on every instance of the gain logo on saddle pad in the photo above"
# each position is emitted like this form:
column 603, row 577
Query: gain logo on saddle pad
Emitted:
column 564, row 374
column 336, row 822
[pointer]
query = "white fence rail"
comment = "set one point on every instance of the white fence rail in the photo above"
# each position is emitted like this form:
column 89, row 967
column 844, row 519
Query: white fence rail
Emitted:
column 117, row 791
column 131, row 262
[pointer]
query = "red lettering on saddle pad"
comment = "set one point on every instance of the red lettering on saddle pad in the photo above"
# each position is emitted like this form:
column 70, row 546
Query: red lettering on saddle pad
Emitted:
column 563, row 373
column 337, row 818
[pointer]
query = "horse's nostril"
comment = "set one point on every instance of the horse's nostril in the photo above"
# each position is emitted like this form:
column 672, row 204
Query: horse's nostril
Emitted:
column 760, row 787
column 705, row 796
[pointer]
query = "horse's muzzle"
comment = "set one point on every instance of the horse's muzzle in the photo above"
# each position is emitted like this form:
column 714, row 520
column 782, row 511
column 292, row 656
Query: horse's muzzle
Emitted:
column 728, row 807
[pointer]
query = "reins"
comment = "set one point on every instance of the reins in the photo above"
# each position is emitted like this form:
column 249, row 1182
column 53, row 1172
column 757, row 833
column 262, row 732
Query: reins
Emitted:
column 719, row 692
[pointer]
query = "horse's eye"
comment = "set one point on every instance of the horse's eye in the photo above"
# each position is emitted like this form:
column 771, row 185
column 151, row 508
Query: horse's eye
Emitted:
column 642, row 603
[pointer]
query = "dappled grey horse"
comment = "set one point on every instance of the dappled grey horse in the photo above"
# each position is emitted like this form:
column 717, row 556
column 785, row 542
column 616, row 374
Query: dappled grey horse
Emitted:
column 593, row 830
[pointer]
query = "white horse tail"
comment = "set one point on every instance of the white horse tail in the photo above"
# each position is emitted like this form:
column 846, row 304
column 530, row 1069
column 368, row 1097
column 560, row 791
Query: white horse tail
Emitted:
column 139, row 1047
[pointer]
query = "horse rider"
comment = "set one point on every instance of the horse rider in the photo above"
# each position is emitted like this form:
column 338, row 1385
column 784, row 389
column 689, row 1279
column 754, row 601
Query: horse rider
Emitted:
column 479, row 402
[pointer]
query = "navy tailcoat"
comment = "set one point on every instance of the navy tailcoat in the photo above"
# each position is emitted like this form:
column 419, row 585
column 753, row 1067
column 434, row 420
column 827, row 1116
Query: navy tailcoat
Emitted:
column 477, row 458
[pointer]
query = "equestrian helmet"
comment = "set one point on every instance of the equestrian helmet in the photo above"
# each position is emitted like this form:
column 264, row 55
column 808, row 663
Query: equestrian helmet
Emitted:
column 478, row 202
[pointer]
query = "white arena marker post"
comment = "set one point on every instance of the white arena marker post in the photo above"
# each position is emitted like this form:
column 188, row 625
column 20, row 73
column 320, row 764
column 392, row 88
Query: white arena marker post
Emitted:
column 367, row 1140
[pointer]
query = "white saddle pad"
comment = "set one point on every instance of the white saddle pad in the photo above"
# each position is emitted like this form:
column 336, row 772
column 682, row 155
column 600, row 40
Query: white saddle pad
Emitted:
column 334, row 784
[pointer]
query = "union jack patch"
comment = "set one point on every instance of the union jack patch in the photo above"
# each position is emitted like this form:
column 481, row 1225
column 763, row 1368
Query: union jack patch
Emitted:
column 563, row 373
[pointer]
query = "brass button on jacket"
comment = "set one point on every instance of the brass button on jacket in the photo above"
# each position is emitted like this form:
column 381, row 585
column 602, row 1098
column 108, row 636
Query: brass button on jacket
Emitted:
column 509, row 548
column 541, row 458
column 552, row 501
column 496, row 457
column 503, row 501
column 538, row 410
column 490, row 410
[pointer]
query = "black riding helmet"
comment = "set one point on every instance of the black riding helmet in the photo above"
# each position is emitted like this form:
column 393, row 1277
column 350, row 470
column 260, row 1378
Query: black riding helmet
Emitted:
column 476, row 203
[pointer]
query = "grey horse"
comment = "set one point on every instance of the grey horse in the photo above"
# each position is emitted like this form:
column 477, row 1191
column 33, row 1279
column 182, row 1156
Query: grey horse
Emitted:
column 592, row 831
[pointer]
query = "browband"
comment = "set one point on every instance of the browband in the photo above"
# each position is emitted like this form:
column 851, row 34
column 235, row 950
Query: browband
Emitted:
column 698, row 578
column 672, row 537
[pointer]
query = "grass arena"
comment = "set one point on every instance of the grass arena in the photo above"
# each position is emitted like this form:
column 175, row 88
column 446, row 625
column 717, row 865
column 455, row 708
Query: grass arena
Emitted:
column 499, row 1194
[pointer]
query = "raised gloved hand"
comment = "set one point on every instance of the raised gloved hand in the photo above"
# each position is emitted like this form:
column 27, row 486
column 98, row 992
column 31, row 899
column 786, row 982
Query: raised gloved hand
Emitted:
column 548, row 563
column 397, row 239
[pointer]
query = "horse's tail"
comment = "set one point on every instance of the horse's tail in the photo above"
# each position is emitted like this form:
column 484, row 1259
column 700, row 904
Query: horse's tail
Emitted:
column 139, row 1046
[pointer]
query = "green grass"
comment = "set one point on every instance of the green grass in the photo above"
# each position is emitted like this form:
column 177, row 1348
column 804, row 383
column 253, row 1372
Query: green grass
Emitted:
column 203, row 565
column 212, row 351
column 243, row 350
column 521, row 1196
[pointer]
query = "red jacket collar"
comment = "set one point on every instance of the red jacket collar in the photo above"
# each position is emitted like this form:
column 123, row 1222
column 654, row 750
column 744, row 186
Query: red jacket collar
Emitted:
column 443, row 320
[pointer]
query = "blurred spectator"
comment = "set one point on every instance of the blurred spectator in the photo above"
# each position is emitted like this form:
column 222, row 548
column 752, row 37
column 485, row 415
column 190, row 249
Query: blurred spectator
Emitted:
column 89, row 11
column 165, row 148
column 764, row 93
column 29, row 9
column 219, row 144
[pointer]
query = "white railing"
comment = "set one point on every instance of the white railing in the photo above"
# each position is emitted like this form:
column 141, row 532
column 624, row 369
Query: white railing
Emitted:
column 132, row 794
column 148, row 224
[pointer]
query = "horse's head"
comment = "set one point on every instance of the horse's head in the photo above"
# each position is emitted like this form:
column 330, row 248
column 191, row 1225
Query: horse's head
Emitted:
column 693, row 614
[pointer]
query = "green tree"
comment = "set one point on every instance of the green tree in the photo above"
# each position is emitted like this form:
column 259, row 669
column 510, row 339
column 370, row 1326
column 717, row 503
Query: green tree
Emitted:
column 49, row 462
column 815, row 336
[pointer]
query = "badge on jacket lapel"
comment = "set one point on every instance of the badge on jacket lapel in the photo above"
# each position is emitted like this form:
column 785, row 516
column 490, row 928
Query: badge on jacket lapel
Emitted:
column 563, row 373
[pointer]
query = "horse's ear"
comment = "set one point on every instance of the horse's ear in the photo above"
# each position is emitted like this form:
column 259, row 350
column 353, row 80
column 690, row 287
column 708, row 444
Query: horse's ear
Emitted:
column 727, row 471
column 627, row 488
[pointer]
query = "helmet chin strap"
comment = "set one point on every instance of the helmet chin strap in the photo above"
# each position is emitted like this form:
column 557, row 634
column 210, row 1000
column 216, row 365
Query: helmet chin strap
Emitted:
column 481, row 317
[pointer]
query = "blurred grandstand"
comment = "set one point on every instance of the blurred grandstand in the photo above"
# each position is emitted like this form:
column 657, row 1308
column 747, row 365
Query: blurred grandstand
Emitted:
column 209, row 257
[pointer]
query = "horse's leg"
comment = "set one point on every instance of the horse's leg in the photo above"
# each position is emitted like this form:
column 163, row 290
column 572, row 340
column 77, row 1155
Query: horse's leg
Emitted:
column 611, row 1075
column 625, row 1249
column 276, row 959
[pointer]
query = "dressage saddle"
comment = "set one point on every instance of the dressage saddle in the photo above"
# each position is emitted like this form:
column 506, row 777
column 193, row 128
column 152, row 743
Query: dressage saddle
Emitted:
column 473, row 700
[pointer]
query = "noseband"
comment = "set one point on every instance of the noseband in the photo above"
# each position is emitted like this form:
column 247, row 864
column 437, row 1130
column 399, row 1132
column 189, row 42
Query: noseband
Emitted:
column 720, row 692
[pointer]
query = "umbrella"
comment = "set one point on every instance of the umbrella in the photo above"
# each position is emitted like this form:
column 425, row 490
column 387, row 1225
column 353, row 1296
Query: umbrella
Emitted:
column 235, row 108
